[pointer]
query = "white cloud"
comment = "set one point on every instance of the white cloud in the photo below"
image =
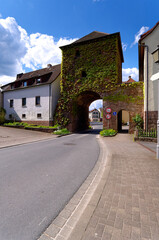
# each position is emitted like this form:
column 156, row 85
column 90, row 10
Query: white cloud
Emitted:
column 138, row 34
column 12, row 47
column 4, row 79
column 124, row 46
column 42, row 49
column 19, row 50
column 133, row 72
column 96, row 104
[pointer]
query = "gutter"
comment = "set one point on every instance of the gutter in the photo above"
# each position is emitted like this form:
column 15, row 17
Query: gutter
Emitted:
column 147, row 107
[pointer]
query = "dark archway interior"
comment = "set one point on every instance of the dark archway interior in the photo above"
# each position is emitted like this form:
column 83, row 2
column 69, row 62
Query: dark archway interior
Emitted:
column 121, row 128
column 81, row 120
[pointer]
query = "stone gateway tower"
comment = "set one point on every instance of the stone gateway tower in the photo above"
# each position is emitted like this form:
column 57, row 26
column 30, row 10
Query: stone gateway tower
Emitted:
column 91, row 70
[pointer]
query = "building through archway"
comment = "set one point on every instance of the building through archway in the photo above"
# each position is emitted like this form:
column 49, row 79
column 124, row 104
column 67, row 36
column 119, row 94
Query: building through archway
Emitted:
column 123, row 121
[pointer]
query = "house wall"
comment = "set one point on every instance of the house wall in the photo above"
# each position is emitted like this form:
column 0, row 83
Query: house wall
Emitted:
column 30, row 109
column 125, row 116
column 152, row 42
column 1, row 99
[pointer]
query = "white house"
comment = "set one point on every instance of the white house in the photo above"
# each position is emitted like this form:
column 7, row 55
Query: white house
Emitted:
column 1, row 98
column 94, row 115
column 147, row 67
column 33, row 96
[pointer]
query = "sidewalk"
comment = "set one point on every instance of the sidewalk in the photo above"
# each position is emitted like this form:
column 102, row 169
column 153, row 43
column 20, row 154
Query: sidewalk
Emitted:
column 118, row 201
column 14, row 136
column 129, row 205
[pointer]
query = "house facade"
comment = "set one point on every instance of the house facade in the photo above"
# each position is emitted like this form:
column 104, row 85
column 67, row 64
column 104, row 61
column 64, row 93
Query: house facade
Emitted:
column 94, row 115
column 147, row 67
column 1, row 98
column 33, row 97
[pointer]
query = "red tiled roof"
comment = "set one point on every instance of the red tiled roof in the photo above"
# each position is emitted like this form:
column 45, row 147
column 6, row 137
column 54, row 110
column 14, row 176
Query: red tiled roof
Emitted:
column 130, row 80
column 148, row 32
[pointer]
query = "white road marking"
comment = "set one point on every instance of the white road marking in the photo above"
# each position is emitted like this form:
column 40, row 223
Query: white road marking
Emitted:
column 42, row 220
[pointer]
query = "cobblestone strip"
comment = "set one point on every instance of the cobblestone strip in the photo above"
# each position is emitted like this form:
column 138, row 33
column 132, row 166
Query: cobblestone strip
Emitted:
column 83, row 203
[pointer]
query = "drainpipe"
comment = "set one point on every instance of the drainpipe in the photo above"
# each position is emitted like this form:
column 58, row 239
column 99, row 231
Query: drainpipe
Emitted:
column 143, row 45
column 49, row 103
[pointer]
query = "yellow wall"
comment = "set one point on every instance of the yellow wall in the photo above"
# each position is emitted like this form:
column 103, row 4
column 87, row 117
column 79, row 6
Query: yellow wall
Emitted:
column 125, row 116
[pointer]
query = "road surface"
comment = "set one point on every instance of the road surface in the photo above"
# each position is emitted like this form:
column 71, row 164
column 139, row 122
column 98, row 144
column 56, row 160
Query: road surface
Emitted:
column 38, row 179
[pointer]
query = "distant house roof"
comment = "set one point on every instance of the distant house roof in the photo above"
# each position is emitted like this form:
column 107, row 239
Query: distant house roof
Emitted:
column 130, row 80
column 93, row 110
column 148, row 32
column 96, row 35
column 47, row 76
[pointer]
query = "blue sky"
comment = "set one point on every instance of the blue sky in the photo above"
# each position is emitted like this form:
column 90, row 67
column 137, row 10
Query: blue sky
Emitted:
column 31, row 31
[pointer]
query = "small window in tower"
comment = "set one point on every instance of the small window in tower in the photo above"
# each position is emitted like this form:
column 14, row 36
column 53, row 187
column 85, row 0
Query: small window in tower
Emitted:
column 77, row 53
column 84, row 74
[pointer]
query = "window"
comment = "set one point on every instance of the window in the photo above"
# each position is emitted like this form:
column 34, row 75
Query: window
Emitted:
column 10, row 116
column 39, row 115
column 77, row 54
column 38, row 80
column 23, row 102
column 23, row 115
column 37, row 100
column 25, row 84
column 11, row 103
column 84, row 74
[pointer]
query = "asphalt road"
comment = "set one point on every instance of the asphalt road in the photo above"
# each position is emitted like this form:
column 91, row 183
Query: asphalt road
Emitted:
column 38, row 179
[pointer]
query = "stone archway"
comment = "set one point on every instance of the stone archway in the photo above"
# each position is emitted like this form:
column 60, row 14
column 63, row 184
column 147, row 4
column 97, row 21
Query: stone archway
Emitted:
column 80, row 109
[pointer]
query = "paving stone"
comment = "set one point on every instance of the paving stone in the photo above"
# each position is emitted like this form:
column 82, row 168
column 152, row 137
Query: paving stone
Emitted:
column 52, row 230
column 44, row 237
column 99, row 230
column 59, row 221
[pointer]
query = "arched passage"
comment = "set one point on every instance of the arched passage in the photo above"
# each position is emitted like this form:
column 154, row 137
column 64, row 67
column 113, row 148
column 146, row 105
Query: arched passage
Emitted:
column 80, row 107
column 123, row 121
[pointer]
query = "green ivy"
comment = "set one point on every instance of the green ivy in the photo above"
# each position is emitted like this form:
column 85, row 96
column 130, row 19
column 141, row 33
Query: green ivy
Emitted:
column 100, row 59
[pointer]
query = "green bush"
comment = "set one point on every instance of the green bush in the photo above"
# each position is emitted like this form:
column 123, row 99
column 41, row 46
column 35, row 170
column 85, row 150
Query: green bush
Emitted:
column 2, row 115
column 26, row 125
column 108, row 132
column 63, row 131
column 138, row 121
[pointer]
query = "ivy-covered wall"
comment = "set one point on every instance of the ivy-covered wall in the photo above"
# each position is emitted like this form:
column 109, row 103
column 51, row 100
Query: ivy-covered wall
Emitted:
column 90, row 70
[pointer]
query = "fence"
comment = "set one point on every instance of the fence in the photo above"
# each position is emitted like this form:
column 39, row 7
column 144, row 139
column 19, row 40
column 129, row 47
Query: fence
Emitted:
column 152, row 133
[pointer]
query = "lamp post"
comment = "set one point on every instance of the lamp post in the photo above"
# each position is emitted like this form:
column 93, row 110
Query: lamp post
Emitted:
column 153, row 78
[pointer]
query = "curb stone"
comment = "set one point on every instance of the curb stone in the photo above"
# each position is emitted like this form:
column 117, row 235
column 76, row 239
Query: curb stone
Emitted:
column 72, row 221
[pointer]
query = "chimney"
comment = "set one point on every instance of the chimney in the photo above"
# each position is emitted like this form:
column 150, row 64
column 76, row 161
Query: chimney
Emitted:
column 19, row 75
column 49, row 65
column 129, row 77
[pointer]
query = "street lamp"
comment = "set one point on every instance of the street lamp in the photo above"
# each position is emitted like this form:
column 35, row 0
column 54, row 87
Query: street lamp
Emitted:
column 154, row 77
